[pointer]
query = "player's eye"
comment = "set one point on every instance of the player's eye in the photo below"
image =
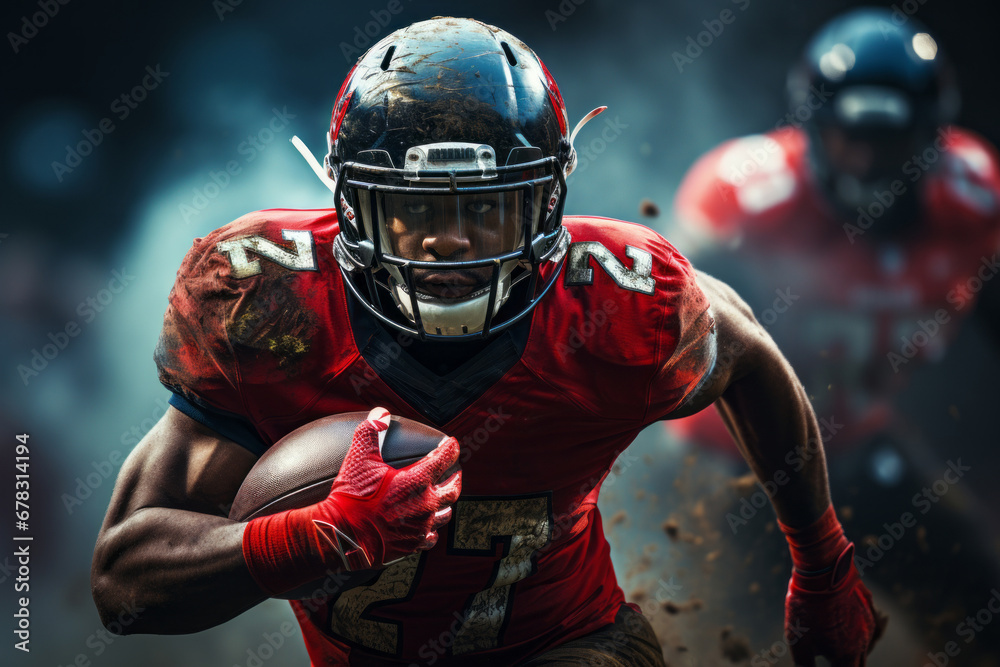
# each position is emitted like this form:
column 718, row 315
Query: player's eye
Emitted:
column 417, row 208
column 480, row 206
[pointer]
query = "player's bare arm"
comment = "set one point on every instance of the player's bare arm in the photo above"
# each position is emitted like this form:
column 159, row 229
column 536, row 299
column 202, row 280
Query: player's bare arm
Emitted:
column 764, row 406
column 166, row 544
column 769, row 416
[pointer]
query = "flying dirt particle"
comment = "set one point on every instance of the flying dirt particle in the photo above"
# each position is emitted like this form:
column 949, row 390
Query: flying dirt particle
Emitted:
column 698, row 511
column 671, row 528
column 691, row 538
column 745, row 485
column 640, row 494
column 641, row 565
column 922, row 539
column 754, row 588
column 621, row 516
column 735, row 648
column 711, row 556
column 953, row 411
column 673, row 608
column 846, row 513
column 648, row 208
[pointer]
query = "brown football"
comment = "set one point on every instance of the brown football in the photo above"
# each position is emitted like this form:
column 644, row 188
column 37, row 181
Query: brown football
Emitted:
column 299, row 470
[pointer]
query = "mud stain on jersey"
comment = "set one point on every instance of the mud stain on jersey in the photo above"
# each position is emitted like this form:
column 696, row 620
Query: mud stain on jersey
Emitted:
column 274, row 320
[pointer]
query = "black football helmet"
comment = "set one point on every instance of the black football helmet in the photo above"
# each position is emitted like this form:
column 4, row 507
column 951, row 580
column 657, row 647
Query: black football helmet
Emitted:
column 877, row 88
column 449, row 148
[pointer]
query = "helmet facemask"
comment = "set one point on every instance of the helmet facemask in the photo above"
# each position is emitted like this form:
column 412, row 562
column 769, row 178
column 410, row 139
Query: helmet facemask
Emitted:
column 450, row 235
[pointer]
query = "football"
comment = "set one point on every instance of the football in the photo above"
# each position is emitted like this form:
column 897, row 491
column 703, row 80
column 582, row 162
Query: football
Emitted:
column 299, row 470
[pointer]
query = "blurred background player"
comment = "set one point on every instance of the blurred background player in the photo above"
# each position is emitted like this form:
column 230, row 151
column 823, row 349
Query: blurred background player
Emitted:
column 863, row 230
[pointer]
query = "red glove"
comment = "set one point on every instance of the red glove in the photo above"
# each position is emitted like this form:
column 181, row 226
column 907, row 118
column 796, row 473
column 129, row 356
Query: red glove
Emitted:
column 374, row 515
column 828, row 611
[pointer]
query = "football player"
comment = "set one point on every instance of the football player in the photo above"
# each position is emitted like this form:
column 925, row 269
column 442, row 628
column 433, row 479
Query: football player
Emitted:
column 865, row 223
column 866, row 227
column 447, row 287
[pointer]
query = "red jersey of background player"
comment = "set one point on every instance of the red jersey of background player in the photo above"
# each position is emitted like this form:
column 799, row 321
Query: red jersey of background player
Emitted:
column 260, row 333
column 852, row 313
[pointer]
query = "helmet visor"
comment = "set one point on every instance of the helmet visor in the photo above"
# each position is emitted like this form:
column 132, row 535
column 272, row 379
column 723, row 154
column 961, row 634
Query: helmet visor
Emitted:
column 454, row 228
column 457, row 231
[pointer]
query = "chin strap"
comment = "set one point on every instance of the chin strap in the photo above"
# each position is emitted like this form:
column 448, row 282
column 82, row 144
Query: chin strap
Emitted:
column 314, row 164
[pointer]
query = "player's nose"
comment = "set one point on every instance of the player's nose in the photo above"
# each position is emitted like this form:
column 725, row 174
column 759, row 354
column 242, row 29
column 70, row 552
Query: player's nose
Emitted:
column 446, row 244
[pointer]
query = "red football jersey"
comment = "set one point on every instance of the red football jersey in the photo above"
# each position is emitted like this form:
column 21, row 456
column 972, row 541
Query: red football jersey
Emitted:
column 852, row 313
column 258, row 325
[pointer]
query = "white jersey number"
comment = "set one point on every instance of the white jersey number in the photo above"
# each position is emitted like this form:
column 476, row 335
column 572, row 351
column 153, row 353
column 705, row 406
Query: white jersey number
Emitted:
column 302, row 258
column 636, row 279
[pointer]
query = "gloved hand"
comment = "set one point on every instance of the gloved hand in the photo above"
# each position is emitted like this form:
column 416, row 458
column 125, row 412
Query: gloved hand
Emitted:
column 828, row 611
column 373, row 515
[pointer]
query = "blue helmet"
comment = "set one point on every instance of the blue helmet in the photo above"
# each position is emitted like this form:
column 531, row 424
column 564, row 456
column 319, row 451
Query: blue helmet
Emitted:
column 884, row 88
